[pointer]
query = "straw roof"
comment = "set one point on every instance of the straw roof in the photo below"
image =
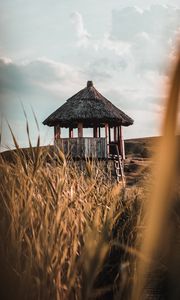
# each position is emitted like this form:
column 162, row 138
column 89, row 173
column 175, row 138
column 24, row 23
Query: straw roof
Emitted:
column 89, row 107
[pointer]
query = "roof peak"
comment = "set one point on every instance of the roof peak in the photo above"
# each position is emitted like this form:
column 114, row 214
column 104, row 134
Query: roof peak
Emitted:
column 89, row 83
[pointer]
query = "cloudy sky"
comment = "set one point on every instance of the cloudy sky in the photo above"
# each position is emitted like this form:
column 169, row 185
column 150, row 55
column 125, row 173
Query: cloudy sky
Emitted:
column 50, row 48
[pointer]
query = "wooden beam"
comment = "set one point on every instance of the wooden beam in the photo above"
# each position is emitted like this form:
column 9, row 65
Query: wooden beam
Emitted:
column 70, row 132
column 95, row 132
column 80, row 130
column 118, row 136
column 106, row 136
column 106, row 131
column 54, row 132
column 120, row 140
column 109, row 129
column 121, row 143
column 99, row 131
column 115, row 134
column 57, row 132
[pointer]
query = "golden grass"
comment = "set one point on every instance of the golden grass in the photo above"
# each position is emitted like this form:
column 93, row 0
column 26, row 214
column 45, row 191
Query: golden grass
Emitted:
column 57, row 225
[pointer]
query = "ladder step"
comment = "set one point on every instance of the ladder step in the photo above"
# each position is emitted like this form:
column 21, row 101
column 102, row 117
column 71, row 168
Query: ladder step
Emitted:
column 118, row 166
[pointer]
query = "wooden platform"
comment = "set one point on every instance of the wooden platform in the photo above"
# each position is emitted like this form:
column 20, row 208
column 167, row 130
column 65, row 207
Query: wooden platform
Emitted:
column 83, row 147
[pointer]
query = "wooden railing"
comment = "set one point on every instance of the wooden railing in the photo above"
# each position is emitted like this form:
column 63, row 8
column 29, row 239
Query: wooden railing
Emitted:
column 83, row 147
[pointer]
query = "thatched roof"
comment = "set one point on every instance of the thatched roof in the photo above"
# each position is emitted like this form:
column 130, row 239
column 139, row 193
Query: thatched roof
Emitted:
column 89, row 107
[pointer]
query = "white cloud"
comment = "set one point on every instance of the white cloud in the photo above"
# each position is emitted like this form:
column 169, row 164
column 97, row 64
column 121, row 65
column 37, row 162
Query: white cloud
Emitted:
column 118, row 47
column 36, row 77
column 140, row 38
column 157, row 20
column 5, row 60
column 151, row 33
column 82, row 34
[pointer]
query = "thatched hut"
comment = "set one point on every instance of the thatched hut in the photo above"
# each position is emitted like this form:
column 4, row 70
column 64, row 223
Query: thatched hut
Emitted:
column 89, row 109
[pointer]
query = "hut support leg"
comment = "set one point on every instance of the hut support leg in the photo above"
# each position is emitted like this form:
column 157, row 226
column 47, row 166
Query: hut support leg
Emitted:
column 106, row 136
column 121, row 143
column 70, row 132
column 115, row 134
column 57, row 132
column 95, row 132
column 109, row 134
column 99, row 131
column 80, row 130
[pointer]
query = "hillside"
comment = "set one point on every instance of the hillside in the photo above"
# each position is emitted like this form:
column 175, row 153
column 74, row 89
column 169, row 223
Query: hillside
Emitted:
column 141, row 147
column 138, row 157
column 135, row 148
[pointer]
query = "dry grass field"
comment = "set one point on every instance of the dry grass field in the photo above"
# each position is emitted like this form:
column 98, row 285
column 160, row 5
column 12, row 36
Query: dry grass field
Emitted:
column 66, row 232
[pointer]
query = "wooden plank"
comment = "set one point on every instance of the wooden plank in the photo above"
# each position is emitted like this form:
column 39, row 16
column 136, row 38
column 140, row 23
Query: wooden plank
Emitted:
column 84, row 147
column 97, row 153
column 104, row 148
column 94, row 148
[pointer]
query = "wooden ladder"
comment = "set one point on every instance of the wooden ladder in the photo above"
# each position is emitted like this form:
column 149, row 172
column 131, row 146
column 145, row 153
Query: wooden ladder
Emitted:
column 119, row 170
column 118, row 166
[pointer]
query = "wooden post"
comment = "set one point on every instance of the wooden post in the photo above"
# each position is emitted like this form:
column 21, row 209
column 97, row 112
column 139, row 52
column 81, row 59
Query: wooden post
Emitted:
column 57, row 132
column 99, row 131
column 70, row 132
column 109, row 128
column 80, row 130
column 95, row 132
column 121, row 143
column 54, row 132
column 115, row 134
column 106, row 136
column 106, row 131
column 118, row 139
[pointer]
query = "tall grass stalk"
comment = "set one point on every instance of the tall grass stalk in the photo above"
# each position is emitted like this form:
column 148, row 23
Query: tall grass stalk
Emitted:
column 164, row 175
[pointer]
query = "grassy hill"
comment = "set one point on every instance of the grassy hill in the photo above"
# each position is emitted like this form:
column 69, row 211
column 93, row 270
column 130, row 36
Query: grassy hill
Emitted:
column 138, row 157
column 141, row 147
column 139, row 152
column 135, row 148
